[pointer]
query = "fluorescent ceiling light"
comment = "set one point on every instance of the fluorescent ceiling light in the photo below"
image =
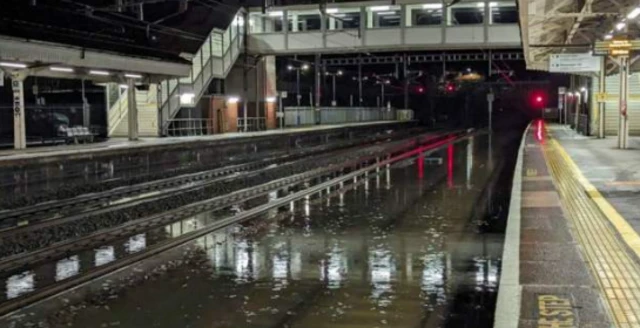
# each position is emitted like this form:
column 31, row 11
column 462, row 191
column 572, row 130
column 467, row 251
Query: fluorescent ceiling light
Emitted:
column 620, row 26
column 271, row 99
column 104, row 73
column 432, row 6
column 331, row 10
column 233, row 100
column 133, row 76
column 14, row 65
column 493, row 4
column 480, row 4
column 275, row 13
column 187, row 98
column 634, row 13
column 379, row 8
column 608, row 37
column 383, row 13
column 61, row 69
column 124, row 86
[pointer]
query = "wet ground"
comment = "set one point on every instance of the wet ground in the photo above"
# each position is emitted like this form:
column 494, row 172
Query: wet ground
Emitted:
column 412, row 246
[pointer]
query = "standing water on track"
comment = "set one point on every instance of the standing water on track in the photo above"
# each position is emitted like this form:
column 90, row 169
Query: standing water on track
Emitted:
column 412, row 246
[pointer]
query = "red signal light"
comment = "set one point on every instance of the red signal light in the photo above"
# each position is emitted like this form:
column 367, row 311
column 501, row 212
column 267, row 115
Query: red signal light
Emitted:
column 420, row 89
column 539, row 99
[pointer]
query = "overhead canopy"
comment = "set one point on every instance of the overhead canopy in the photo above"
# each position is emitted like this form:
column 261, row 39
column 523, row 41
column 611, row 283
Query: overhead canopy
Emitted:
column 568, row 26
column 148, row 38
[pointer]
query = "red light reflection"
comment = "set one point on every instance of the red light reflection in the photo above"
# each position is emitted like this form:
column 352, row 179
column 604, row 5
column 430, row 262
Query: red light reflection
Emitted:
column 450, row 165
column 539, row 131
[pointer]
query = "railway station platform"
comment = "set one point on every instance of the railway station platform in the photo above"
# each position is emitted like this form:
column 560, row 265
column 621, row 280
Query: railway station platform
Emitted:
column 572, row 251
column 123, row 145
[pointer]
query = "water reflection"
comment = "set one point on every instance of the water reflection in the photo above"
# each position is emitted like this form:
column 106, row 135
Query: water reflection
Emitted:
column 68, row 267
column 379, row 256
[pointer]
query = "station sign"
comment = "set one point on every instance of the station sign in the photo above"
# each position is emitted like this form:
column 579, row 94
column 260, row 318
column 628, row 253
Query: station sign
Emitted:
column 616, row 47
column 572, row 63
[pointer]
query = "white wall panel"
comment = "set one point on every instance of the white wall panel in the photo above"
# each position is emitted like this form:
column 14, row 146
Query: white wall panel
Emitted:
column 266, row 42
column 305, row 40
column 509, row 33
column 383, row 37
column 343, row 39
column 464, row 34
column 423, row 35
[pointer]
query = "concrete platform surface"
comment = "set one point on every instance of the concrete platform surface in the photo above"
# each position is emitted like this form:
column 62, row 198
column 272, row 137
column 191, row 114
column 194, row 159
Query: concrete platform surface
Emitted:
column 614, row 172
column 576, row 263
column 123, row 143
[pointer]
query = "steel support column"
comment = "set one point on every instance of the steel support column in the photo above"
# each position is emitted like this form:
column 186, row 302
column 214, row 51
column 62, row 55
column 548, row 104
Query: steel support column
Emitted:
column 623, row 122
column 602, row 90
column 132, row 115
column 19, row 126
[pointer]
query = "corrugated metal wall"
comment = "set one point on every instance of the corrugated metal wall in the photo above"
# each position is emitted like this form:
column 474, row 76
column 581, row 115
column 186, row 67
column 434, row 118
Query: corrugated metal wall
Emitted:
column 611, row 110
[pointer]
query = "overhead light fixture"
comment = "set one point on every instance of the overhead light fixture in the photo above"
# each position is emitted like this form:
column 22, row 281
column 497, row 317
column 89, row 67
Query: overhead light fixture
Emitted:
column 608, row 37
column 271, row 99
column 480, row 4
column 103, row 73
column 634, row 13
column 379, row 8
column 133, row 76
column 583, row 89
column 232, row 100
column 493, row 4
column 384, row 13
column 61, row 69
column 331, row 10
column 339, row 72
column 124, row 86
column 432, row 6
column 187, row 98
column 14, row 65
column 620, row 26
column 305, row 67
column 275, row 14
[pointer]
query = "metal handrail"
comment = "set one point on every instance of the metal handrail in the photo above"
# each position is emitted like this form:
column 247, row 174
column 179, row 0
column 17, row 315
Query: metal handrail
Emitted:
column 253, row 124
column 171, row 104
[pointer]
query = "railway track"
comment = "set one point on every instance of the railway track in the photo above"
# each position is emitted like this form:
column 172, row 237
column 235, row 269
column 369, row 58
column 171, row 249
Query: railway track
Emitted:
column 395, row 152
column 16, row 220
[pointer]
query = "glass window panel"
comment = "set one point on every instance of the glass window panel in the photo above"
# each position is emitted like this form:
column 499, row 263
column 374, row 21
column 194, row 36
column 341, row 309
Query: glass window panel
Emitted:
column 206, row 49
column 342, row 20
column 503, row 13
column 469, row 13
column 424, row 14
column 384, row 16
column 304, row 21
column 270, row 22
column 217, row 44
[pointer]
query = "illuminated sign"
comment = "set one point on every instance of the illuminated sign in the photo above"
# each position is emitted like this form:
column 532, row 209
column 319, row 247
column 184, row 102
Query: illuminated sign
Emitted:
column 615, row 47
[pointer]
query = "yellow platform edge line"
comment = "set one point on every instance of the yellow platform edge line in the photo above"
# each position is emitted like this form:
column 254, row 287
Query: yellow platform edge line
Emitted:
column 628, row 234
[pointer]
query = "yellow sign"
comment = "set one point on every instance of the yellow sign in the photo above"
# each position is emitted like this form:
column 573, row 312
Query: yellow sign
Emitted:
column 601, row 97
column 555, row 312
column 616, row 47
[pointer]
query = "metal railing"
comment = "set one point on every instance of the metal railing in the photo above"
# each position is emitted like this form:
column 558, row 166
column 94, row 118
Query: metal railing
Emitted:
column 180, row 127
column 297, row 116
column 120, row 107
column 214, row 59
column 253, row 124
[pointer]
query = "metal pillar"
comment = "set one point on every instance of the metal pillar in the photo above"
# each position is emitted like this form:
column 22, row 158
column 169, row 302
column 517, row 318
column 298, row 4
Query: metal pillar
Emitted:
column 406, row 81
column 490, row 98
column 334, row 103
column 132, row 114
column 382, row 93
column 623, row 122
column 86, row 112
column 298, row 95
column 602, row 89
column 19, row 126
column 359, row 82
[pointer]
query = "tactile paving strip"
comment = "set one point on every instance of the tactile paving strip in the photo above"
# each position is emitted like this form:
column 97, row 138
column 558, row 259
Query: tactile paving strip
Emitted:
column 615, row 268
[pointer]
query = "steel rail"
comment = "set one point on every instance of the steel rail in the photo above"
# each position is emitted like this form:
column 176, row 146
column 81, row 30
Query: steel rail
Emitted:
column 94, row 273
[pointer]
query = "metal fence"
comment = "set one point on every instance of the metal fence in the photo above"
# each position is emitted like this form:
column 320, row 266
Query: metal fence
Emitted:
column 297, row 116
column 190, row 127
column 253, row 124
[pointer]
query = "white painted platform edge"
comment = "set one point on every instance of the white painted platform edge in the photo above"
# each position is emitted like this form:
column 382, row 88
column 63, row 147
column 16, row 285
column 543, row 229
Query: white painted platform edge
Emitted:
column 507, row 314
